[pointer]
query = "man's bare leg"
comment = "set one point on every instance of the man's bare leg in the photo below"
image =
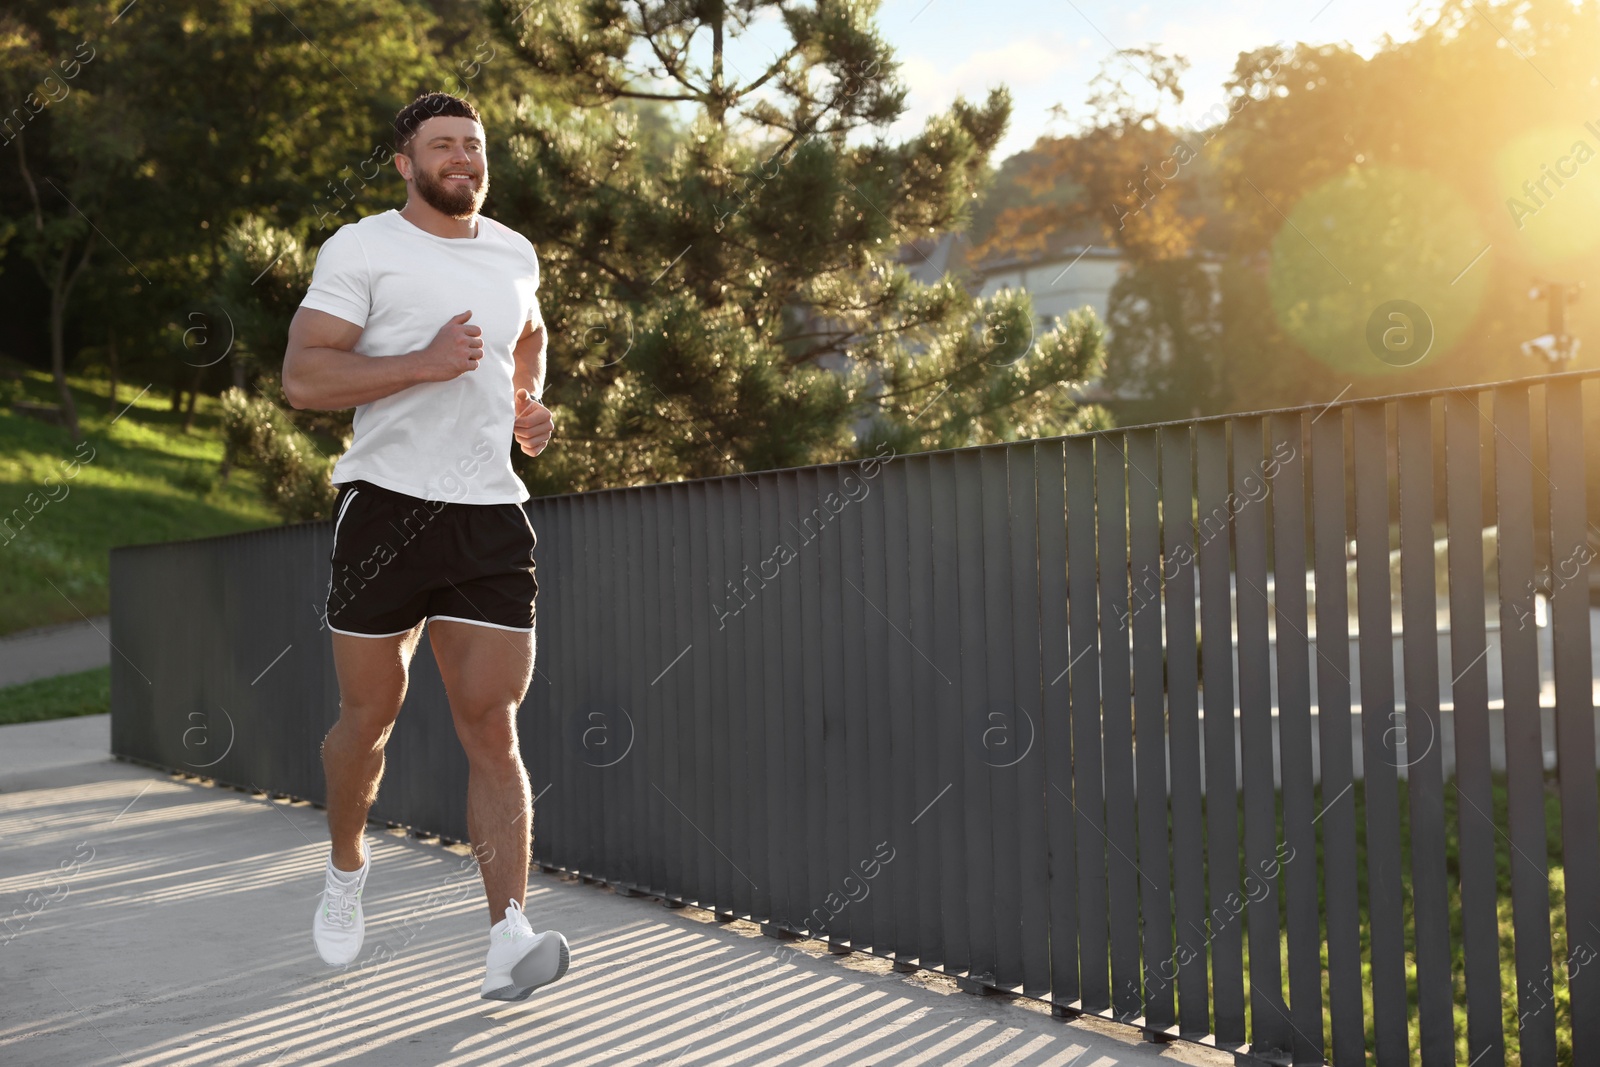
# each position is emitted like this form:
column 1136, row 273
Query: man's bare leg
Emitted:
column 486, row 672
column 372, row 686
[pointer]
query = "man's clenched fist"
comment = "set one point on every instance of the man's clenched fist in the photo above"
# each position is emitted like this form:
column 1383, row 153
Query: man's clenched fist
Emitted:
column 534, row 423
column 454, row 350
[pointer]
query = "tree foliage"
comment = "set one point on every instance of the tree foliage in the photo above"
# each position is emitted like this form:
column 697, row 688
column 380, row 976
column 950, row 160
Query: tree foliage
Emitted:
column 738, row 304
column 144, row 134
column 72, row 146
column 1451, row 169
column 724, row 278
column 258, row 435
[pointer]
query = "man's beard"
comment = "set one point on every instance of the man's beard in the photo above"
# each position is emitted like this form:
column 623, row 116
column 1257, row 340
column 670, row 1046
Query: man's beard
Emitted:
column 452, row 198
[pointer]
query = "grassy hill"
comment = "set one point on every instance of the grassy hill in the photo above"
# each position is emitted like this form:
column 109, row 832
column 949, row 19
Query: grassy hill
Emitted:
column 147, row 481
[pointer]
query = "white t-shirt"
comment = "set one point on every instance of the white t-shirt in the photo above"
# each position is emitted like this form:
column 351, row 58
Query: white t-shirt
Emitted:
column 436, row 440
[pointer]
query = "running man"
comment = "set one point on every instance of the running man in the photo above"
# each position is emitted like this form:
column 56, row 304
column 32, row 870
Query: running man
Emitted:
column 426, row 321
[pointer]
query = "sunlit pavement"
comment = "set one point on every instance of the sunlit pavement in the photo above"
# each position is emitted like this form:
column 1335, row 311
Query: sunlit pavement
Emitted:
column 155, row 920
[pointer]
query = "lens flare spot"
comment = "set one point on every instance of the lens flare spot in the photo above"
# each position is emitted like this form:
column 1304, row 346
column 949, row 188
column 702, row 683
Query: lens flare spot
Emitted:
column 1376, row 238
column 1549, row 184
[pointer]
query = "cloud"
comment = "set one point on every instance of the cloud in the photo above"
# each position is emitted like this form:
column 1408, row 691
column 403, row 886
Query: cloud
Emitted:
column 1035, row 62
column 1030, row 61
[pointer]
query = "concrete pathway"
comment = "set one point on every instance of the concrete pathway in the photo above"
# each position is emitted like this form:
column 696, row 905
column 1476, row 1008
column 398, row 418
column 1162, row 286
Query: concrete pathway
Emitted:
column 157, row 921
column 51, row 650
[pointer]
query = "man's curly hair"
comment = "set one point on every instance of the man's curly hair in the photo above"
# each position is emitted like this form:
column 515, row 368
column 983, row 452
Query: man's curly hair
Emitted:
column 426, row 106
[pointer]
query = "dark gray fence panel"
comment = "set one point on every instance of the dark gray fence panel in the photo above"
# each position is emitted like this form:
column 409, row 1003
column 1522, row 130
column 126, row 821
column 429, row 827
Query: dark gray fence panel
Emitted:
column 609, row 773
column 1116, row 726
column 747, row 687
column 747, row 548
column 781, row 839
column 874, row 719
column 1188, row 962
column 1143, row 622
column 948, row 710
column 861, row 717
column 731, row 787
column 973, row 789
column 1424, row 734
column 840, row 813
column 1086, row 789
column 182, row 680
column 564, row 666
column 1380, row 754
column 1271, row 1031
column 927, row 687
column 1055, row 714
column 1285, row 469
column 722, row 742
column 534, row 719
column 707, row 847
column 567, row 795
column 573, row 795
column 602, row 705
column 1570, row 555
column 1215, row 508
column 902, row 774
column 816, row 656
column 606, row 632
column 707, row 749
column 1474, row 784
column 632, row 761
column 657, row 725
column 948, row 812
column 1519, row 651
column 1028, row 766
column 1336, row 804
column 997, row 748
column 796, row 757
column 691, row 868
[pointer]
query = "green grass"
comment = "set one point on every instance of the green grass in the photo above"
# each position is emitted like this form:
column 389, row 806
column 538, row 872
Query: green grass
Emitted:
column 86, row 693
column 1557, row 990
column 147, row 480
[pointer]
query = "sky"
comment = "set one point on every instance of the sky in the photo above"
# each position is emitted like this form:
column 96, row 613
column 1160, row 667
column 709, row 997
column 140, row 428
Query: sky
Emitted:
column 1046, row 51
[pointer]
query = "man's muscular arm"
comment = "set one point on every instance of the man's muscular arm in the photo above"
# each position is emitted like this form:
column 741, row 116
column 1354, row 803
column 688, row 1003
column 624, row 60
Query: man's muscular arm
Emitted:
column 322, row 370
column 534, row 424
column 528, row 359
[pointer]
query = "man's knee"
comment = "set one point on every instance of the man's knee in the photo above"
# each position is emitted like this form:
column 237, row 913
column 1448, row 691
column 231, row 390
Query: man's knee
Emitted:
column 489, row 736
column 367, row 724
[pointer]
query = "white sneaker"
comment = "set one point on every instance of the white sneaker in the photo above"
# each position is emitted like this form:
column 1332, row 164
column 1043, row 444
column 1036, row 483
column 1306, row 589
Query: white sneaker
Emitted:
column 339, row 925
column 520, row 960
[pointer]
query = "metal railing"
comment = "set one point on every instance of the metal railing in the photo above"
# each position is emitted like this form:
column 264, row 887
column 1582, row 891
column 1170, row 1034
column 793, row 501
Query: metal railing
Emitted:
column 1038, row 715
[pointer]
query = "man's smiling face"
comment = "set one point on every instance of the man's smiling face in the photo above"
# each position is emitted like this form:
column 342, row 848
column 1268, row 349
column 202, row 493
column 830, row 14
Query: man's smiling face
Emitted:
column 449, row 165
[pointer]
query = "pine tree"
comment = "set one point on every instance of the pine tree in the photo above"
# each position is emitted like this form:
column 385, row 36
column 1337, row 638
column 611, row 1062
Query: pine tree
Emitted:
column 738, row 304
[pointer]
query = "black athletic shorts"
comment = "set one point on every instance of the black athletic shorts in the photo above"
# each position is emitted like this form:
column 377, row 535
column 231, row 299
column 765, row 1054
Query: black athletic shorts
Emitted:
column 398, row 559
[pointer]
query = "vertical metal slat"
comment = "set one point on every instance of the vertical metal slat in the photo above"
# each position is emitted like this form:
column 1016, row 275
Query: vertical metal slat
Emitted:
column 1003, row 720
column 1519, row 669
column 1430, row 892
column 1285, row 468
column 1150, row 723
column 1380, row 748
column 1086, row 791
column 1056, row 724
column 1271, row 1029
column 1029, row 784
column 1570, row 554
column 1188, row 961
column 1336, row 810
column 976, row 678
column 1214, row 526
column 1474, row 784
